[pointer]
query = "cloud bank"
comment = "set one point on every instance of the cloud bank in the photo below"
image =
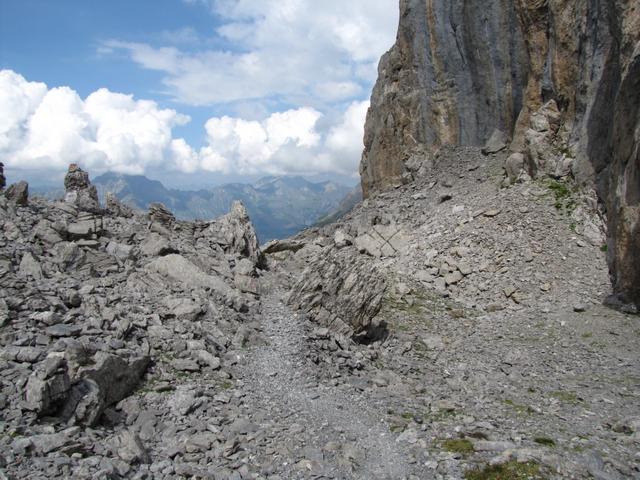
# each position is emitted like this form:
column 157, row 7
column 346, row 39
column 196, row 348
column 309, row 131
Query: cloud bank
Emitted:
column 47, row 128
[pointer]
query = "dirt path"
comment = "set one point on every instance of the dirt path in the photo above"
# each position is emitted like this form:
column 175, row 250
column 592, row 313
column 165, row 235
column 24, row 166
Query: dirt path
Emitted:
column 322, row 430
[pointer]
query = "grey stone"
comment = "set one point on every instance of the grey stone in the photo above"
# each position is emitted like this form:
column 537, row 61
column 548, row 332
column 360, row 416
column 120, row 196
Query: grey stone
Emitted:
column 276, row 246
column 18, row 193
column 496, row 142
column 63, row 330
column 30, row 267
column 108, row 380
column 131, row 449
column 159, row 213
column 185, row 365
column 48, row 386
column 453, row 278
column 156, row 245
column 79, row 191
column 383, row 241
column 85, row 227
column 120, row 251
column 343, row 292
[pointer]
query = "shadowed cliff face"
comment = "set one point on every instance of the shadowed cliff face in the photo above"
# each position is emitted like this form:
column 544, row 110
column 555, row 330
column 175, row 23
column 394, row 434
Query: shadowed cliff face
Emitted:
column 461, row 69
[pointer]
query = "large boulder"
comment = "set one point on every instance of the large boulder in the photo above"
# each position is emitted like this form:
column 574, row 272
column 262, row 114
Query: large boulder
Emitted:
column 61, row 385
column 106, row 381
column 341, row 290
column 48, row 386
column 18, row 193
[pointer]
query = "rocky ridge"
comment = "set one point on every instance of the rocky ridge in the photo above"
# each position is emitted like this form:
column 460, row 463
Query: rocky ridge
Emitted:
column 103, row 318
column 490, row 342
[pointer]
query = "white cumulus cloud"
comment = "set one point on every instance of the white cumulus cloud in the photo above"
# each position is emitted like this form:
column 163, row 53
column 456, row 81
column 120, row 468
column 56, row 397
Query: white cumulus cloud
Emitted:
column 47, row 128
column 44, row 128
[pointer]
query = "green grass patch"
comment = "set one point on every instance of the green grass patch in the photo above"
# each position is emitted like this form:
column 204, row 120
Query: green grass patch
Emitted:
column 507, row 471
column 604, row 248
column 458, row 445
column 519, row 409
column 566, row 397
column 547, row 442
column 563, row 195
column 397, row 428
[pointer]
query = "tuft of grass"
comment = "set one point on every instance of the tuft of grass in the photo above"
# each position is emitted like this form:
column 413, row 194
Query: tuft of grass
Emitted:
column 507, row 471
column 397, row 428
column 604, row 248
column 458, row 445
column 566, row 397
column 562, row 194
column 520, row 409
column 547, row 442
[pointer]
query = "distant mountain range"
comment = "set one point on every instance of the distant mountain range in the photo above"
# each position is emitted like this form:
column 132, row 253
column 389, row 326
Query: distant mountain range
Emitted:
column 279, row 206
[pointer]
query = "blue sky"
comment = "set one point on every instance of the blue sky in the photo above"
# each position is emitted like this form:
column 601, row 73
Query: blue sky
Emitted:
column 196, row 90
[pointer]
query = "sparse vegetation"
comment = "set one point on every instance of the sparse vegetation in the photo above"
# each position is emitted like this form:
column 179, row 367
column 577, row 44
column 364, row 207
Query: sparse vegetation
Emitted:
column 563, row 194
column 566, row 397
column 507, row 471
column 458, row 445
column 547, row 442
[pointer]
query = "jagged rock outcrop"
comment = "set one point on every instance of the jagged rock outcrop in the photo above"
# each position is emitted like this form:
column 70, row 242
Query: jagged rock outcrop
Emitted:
column 18, row 193
column 79, row 191
column 232, row 233
column 3, row 180
column 559, row 77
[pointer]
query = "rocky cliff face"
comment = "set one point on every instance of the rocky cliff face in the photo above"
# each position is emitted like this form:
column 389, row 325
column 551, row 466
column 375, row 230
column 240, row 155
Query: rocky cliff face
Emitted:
column 561, row 78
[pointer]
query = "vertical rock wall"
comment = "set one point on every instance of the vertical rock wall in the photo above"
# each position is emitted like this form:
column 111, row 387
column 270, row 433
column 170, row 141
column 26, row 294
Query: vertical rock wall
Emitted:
column 462, row 68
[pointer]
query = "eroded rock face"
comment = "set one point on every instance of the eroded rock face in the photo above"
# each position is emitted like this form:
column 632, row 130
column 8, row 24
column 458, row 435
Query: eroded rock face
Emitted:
column 468, row 82
column 559, row 77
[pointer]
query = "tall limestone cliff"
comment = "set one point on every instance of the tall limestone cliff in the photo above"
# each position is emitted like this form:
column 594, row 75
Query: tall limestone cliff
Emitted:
column 561, row 78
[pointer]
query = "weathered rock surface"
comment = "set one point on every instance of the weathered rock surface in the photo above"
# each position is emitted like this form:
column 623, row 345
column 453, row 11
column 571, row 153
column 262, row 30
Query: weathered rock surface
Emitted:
column 101, row 318
column 18, row 193
column 341, row 291
column 559, row 77
column 79, row 191
column 494, row 289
